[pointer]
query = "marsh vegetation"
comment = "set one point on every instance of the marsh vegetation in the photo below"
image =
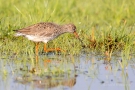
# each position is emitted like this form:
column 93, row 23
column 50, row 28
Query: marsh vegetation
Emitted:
column 106, row 28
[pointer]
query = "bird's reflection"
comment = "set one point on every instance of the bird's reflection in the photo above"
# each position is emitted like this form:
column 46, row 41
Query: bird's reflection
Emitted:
column 46, row 79
column 37, row 66
column 51, row 82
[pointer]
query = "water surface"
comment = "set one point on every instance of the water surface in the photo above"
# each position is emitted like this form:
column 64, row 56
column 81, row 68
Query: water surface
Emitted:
column 59, row 72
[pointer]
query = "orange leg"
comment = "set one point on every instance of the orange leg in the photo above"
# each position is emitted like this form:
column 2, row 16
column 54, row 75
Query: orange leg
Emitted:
column 50, row 50
column 36, row 59
column 36, row 48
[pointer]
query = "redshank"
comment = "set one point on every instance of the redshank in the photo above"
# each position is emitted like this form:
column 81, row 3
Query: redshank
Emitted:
column 44, row 32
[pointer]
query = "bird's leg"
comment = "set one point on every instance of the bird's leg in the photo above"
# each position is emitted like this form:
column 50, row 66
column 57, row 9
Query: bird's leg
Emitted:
column 36, row 60
column 36, row 48
column 50, row 50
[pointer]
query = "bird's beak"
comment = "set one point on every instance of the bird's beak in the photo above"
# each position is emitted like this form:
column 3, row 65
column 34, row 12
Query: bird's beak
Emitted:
column 76, row 35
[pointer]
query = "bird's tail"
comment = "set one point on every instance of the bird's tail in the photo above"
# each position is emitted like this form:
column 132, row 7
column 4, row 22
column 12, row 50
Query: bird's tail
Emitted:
column 18, row 33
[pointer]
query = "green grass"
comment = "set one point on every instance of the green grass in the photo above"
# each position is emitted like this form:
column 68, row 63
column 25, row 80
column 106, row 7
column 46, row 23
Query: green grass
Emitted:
column 103, row 25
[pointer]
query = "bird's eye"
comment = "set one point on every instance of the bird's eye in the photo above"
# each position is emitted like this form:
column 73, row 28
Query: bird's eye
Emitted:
column 74, row 29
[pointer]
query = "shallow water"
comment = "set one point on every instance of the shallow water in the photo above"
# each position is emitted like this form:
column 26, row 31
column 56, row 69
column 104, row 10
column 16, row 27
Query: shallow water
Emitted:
column 57, row 72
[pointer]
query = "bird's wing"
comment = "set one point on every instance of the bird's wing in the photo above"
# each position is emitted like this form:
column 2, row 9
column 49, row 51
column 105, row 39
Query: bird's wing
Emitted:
column 39, row 29
column 28, row 30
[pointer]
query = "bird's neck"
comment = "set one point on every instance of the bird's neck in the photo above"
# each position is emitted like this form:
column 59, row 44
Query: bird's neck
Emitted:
column 64, row 29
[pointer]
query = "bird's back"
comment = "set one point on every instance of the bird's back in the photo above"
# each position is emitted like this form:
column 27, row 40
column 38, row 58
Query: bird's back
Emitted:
column 39, row 29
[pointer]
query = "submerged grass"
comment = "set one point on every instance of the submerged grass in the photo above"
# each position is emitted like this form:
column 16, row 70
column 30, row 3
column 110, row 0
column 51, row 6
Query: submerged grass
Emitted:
column 104, row 26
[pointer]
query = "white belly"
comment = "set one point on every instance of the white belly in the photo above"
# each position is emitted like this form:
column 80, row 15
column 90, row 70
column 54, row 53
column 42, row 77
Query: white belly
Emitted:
column 38, row 38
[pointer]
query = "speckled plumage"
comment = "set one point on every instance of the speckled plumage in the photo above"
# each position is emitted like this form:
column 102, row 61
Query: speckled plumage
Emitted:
column 45, row 31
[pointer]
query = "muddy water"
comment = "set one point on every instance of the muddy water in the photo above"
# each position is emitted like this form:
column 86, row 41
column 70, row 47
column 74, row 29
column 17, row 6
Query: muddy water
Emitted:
column 57, row 72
